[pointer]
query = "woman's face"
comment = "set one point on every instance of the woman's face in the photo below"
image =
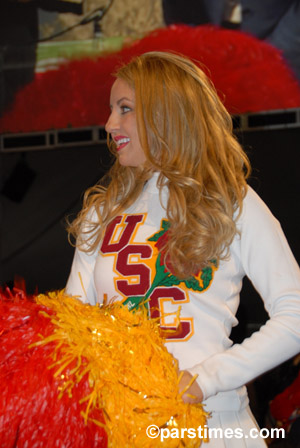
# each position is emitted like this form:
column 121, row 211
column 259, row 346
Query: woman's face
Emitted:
column 122, row 125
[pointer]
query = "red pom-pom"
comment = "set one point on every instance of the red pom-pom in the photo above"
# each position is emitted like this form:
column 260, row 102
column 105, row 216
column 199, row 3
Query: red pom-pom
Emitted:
column 284, row 408
column 31, row 412
column 250, row 75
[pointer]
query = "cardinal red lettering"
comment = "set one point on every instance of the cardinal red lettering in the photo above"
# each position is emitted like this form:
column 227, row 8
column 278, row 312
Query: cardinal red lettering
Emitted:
column 130, row 269
column 131, row 222
column 176, row 296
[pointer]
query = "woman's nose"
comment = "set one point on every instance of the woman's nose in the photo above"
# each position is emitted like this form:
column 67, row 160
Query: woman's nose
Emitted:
column 112, row 123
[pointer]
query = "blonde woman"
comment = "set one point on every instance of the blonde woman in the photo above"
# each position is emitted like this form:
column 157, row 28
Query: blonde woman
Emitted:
column 174, row 222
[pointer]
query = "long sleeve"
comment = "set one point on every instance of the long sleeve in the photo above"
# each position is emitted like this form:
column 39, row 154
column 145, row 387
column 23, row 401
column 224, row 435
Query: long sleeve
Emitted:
column 269, row 263
column 81, row 279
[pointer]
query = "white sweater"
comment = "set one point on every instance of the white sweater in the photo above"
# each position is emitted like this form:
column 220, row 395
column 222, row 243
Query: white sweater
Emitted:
column 126, row 265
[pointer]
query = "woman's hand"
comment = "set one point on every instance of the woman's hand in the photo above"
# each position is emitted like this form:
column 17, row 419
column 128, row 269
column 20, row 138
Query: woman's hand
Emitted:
column 194, row 393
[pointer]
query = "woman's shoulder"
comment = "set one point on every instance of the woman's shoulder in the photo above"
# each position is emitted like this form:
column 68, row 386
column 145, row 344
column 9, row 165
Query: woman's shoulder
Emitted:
column 255, row 211
column 89, row 227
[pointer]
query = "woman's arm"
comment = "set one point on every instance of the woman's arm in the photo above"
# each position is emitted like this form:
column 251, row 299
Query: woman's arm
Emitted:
column 269, row 263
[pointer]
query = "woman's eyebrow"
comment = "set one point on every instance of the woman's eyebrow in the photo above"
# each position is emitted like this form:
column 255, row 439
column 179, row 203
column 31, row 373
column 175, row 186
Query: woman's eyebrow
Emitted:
column 120, row 101
column 124, row 98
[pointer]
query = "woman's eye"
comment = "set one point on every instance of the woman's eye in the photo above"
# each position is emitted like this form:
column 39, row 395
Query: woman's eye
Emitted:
column 125, row 109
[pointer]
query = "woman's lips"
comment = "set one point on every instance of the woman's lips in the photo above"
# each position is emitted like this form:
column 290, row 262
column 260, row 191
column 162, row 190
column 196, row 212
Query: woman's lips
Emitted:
column 121, row 142
column 119, row 147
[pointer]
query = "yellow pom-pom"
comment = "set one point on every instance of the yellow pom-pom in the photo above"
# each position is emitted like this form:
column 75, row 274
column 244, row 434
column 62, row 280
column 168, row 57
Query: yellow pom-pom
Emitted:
column 133, row 378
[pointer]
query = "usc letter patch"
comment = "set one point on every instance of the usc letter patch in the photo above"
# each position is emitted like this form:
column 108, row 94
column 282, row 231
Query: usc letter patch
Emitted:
column 142, row 274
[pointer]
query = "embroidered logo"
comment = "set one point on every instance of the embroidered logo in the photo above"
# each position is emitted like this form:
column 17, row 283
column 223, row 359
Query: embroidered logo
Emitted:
column 163, row 277
column 143, row 277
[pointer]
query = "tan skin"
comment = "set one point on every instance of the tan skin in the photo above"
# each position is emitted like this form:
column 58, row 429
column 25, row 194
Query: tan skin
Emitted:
column 122, row 127
column 194, row 394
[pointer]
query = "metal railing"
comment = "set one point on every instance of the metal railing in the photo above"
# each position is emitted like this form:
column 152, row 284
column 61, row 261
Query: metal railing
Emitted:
column 95, row 135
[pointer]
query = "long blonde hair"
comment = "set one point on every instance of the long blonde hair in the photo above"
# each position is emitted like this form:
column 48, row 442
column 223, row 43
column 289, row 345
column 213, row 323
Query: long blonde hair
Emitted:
column 186, row 134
